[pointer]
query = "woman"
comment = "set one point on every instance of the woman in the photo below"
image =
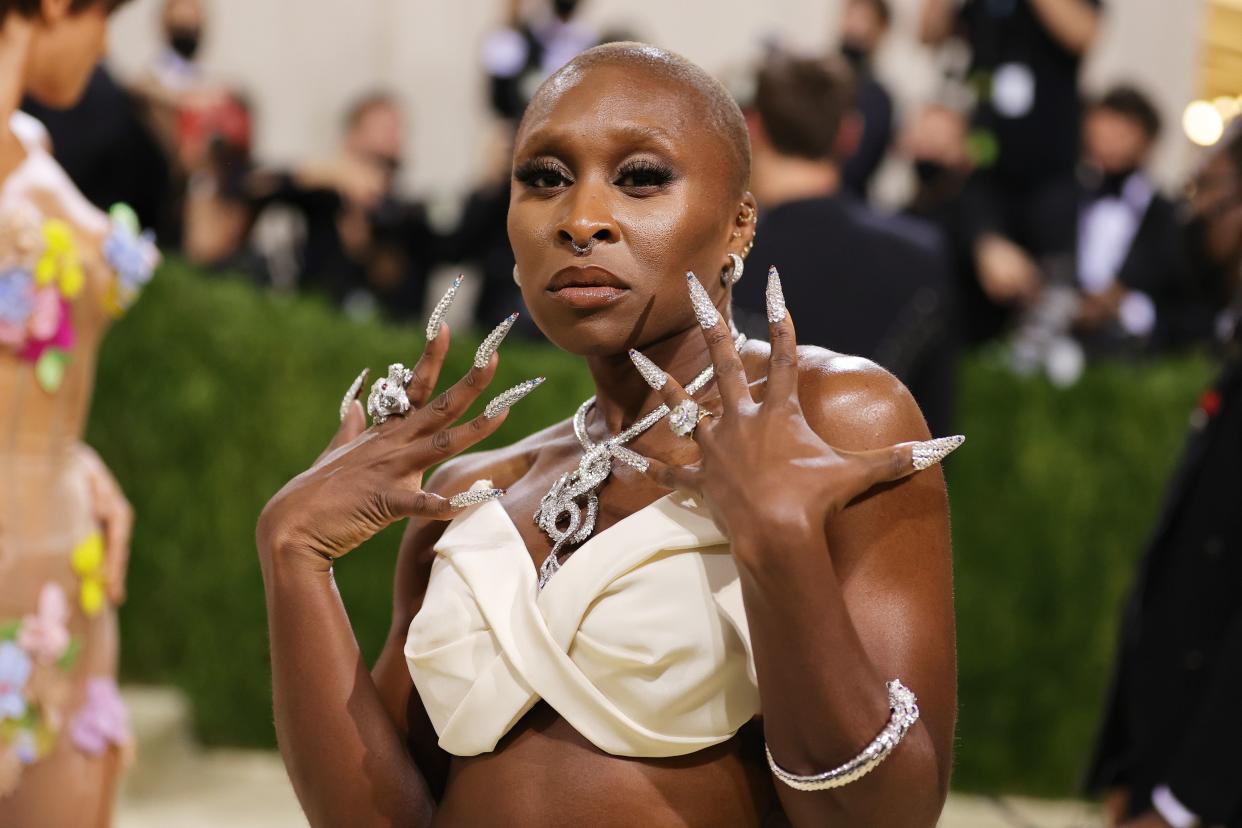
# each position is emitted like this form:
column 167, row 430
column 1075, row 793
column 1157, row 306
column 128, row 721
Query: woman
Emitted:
column 66, row 270
column 631, row 678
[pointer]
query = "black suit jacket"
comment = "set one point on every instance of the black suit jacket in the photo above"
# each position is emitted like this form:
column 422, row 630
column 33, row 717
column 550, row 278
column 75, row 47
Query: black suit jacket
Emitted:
column 1172, row 712
column 860, row 283
column 1155, row 262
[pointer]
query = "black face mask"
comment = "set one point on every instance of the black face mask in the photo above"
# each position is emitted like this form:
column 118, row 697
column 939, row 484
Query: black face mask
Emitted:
column 929, row 172
column 855, row 54
column 185, row 42
column 564, row 8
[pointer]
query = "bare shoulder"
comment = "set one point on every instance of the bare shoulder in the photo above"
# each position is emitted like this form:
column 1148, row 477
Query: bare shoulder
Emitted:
column 850, row 401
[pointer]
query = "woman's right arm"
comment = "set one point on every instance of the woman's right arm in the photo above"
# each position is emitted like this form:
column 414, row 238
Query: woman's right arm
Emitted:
column 345, row 754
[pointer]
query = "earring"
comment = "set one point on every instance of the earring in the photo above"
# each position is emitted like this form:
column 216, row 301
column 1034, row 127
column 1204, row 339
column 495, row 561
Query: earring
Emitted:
column 516, row 280
column 732, row 274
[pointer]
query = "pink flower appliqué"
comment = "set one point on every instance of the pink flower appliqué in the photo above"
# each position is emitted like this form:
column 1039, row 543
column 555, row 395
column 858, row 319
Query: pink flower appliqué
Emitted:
column 51, row 325
column 102, row 721
column 44, row 634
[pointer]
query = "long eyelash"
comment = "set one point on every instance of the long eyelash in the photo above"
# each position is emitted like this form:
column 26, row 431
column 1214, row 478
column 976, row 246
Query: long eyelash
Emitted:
column 529, row 171
column 663, row 173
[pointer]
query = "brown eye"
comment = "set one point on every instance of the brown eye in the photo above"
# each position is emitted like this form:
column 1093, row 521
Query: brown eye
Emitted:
column 542, row 175
column 643, row 175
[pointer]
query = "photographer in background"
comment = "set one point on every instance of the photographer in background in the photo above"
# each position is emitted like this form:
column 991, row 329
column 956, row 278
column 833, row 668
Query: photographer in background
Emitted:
column 1167, row 752
column 361, row 243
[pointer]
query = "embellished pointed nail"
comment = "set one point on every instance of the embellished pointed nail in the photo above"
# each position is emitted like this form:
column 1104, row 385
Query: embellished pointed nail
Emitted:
column 474, row 497
column 775, row 297
column 704, row 310
column 507, row 399
column 446, row 301
column 352, row 394
column 651, row 372
column 631, row 458
column 492, row 341
column 930, row 452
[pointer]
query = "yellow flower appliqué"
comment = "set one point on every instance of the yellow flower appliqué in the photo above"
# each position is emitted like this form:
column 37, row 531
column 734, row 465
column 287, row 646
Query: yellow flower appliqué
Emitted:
column 88, row 560
column 60, row 263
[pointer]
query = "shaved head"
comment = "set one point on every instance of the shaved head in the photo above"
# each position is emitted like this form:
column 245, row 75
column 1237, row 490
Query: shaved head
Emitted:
column 723, row 118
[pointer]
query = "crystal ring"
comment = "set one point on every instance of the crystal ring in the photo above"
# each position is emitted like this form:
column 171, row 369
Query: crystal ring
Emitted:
column 388, row 395
column 685, row 417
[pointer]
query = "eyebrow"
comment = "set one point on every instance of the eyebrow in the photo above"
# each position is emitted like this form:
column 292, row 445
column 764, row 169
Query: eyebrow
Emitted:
column 545, row 140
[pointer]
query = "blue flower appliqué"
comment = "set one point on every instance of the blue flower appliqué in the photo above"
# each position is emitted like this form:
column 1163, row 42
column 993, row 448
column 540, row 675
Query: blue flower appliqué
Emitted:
column 16, row 295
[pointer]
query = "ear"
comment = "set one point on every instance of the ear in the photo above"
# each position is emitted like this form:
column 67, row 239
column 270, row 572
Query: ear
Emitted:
column 742, row 228
column 53, row 11
column 849, row 135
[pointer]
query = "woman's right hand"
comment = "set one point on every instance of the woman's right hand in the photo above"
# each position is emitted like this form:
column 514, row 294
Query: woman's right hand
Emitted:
column 368, row 478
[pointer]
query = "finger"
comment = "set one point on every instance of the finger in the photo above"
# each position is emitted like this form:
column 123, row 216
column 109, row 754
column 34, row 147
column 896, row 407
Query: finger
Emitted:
column 401, row 503
column 895, row 462
column 730, row 373
column 427, row 369
column 783, row 362
column 450, row 442
column 448, row 407
column 352, row 425
column 666, row 475
column 670, row 389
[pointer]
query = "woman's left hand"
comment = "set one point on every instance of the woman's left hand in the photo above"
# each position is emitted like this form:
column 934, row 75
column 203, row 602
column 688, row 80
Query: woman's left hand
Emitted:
column 116, row 521
column 763, row 467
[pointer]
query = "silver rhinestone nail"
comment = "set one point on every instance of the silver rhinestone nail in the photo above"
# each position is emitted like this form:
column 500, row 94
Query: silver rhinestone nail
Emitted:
column 352, row 393
column 446, row 301
column 492, row 341
column 631, row 458
column 474, row 497
column 651, row 372
column 506, row 399
column 704, row 310
column 775, row 297
column 930, row 452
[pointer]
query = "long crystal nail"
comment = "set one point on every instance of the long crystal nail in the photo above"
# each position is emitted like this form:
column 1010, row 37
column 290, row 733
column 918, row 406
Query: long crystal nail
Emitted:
column 492, row 341
column 775, row 297
column 446, row 301
column 930, row 452
column 631, row 458
column 651, row 372
column 474, row 497
column 352, row 393
column 703, row 307
column 507, row 399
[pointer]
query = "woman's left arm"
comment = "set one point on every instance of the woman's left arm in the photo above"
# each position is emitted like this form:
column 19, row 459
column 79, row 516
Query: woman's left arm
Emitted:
column 846, row 574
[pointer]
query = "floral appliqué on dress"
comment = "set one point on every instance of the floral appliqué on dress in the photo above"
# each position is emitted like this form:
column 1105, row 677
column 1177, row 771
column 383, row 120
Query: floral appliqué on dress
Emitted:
column 41, row 273
column 37, row 656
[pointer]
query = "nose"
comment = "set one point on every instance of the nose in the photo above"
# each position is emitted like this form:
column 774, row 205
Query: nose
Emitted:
column 587, row 220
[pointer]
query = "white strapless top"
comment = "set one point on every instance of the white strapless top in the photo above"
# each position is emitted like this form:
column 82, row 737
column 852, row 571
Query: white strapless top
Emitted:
column 639, row 641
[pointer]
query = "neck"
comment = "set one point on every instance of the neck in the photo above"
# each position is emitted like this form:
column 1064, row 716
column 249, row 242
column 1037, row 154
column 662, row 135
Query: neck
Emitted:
column 621, row 395
column 785, row 178
column 15, row 37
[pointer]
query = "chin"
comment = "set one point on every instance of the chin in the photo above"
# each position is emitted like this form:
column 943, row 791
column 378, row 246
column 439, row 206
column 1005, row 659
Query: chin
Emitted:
column 59, row 96
column 591, row 334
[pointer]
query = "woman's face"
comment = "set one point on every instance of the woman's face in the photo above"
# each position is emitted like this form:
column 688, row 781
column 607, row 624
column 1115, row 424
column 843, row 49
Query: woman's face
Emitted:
column 627, row 162
column 63, row 51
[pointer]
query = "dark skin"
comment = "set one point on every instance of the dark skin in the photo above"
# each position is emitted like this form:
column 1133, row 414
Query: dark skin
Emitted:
column 846, row 578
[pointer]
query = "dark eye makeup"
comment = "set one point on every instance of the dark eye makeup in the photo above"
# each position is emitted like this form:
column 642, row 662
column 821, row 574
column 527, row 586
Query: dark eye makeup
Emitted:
column 638, row 176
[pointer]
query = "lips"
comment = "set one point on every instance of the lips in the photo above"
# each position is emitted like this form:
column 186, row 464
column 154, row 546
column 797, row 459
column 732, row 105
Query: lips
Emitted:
column 585, row 277
column 586, row 288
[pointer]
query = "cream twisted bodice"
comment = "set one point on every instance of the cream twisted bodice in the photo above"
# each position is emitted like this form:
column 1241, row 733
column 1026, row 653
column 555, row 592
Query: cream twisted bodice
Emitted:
column 639, row 642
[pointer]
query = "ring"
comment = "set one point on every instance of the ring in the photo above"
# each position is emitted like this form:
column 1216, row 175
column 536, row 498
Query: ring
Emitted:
column 685, row 417
column 388, row 395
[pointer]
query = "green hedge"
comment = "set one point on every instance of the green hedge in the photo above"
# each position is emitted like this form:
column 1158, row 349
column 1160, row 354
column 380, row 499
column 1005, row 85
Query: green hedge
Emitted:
column 210, row 395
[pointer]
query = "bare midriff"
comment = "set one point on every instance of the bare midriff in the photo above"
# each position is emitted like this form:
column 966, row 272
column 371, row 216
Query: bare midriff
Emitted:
column 545, row 773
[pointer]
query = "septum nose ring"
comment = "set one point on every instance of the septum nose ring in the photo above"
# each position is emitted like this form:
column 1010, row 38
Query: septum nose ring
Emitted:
column 582, row 250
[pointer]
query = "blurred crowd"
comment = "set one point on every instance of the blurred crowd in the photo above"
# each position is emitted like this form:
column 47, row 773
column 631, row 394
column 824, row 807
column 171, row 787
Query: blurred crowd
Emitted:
column 1032, row 220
